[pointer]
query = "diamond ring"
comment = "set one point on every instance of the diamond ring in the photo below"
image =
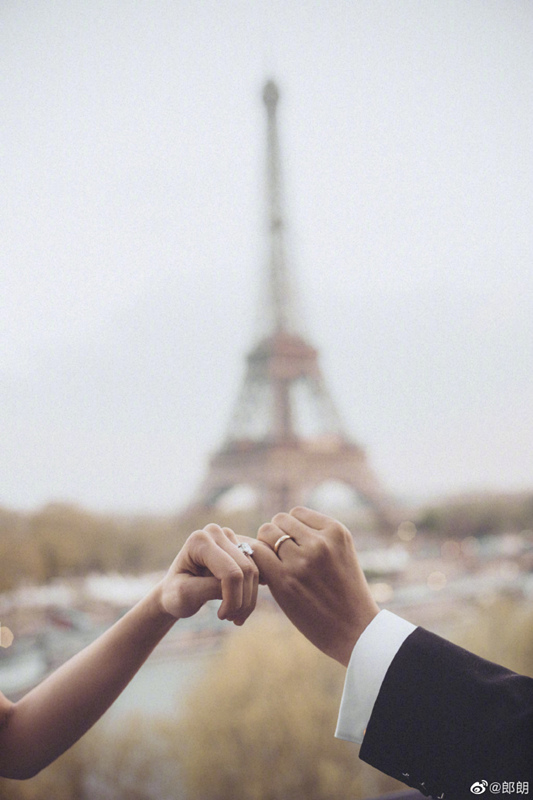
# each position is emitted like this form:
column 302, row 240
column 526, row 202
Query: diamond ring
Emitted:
column 244, row 547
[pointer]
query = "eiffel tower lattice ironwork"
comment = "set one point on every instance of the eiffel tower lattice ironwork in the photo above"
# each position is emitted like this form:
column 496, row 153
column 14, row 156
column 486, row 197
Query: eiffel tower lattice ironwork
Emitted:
column 286, row 438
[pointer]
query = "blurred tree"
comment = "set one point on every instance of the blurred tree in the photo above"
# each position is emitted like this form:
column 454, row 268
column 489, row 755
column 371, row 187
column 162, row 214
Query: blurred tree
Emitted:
column 501, row 630
column 73, row 541
column 62, row 540
column 260, row 725
column 478, row 515
column 133, row 760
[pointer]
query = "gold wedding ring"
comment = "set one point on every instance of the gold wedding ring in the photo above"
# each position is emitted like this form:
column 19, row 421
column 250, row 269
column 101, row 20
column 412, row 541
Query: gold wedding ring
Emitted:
column 280, row 542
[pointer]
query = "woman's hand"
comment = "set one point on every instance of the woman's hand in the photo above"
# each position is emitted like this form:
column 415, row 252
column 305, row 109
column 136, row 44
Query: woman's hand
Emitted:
column 50, row 718
column 208, row 567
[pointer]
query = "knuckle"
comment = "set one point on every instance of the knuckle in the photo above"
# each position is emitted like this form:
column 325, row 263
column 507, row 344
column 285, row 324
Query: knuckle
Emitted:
column 198, row 538
column 197, row 546
column 318, row 556
column 234, row 575
column 297, row 510
column 279, row 518
column 264, row 530
column 338, row 533
column 213, row 529
column 248, row 569
column 317, row 548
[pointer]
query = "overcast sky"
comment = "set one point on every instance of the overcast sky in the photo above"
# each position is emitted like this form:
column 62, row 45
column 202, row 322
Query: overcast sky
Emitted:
column 132, row 235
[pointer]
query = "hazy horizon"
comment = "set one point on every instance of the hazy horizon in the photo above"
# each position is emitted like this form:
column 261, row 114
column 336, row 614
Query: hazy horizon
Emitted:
column 133, row 236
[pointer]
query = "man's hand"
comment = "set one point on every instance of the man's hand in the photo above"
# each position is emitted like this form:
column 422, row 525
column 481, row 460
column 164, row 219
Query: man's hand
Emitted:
column 316, row 579
column 208, row 567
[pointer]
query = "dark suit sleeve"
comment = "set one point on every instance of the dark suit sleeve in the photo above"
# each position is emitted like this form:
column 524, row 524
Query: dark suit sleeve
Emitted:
column 445, row 719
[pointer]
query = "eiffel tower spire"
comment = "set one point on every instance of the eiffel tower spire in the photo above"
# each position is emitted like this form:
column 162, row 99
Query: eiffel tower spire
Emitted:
column 280, row 299
column 285, row 437
column 283, row 389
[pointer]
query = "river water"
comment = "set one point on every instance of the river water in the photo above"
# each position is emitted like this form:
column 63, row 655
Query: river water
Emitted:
column 161, row 685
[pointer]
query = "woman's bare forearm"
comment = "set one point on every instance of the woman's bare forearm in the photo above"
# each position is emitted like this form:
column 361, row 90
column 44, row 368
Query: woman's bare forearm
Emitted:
column 49, row 719
column 54, row 715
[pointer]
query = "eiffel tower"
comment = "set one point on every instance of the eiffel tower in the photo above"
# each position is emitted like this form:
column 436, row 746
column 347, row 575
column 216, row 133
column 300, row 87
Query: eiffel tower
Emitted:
column 285, row 438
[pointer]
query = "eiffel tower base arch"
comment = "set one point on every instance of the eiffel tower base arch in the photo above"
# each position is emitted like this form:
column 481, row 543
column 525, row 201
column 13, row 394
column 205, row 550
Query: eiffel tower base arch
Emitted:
column 283, row 476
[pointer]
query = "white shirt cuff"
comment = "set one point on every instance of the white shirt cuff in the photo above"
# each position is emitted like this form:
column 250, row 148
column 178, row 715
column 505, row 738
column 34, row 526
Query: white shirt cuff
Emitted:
column 370, row 660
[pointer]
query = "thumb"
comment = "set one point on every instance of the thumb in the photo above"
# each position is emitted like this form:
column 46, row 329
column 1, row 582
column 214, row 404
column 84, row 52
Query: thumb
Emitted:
column 197, row 591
